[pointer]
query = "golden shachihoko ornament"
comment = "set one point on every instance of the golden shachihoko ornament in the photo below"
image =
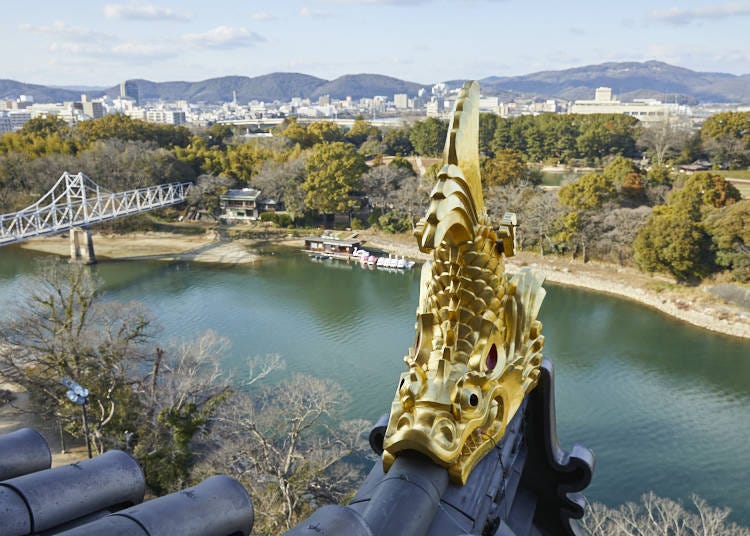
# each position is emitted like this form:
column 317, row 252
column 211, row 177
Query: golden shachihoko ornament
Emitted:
column 478, row 346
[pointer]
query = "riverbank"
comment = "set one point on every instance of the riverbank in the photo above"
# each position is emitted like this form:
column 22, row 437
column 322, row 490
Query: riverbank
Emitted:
column 694, row 305
column 208, row 247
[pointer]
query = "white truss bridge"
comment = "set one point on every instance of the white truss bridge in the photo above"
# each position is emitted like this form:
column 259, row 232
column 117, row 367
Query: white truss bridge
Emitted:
column 77, row 201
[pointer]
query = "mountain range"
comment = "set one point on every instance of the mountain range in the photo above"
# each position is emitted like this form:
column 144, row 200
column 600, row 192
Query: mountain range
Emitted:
column 628, row 80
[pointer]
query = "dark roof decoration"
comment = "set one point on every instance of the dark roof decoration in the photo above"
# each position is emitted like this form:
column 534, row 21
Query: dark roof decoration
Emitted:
column 525, row 486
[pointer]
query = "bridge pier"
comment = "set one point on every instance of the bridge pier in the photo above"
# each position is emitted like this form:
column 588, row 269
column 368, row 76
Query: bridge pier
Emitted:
column 81, row 246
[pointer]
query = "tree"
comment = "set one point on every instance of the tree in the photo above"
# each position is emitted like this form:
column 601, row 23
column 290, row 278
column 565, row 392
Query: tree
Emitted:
column 726, row 136
column 602, row 135
column 245, row 159
column 656, row 516
column 590, row 191
column 729, row 228
column 535, row 209
column 428, row 137
column 487, row 128
column 283, row 181
column 62, row 328
column 702, row 191
column 294, row 132
column 125, row 164
column 45, row 125
column 206, row 192
column 381, row 183
column 333, row 174
column 412, row 197
column 325, row 132
column 397, row 141
column 218, row 135
column 180, row 396
column 508, row 166
column 673, row 242
column 361, row 131
column 122, row 127
column 662, row 139
column 282, row 442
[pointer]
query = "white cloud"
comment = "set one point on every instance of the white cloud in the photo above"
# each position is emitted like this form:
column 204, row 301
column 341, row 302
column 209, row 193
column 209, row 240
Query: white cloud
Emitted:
column 122, row 51
column 143, row 50
column 681, row 16
column 62, row 30
column 77, row 49
column 263, row 17
column 307, row 12
column 410, row 2
column 143, row 12
column 224, row 37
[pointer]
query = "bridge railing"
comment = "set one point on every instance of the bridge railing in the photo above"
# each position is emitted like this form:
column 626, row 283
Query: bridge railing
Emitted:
column 77, row 201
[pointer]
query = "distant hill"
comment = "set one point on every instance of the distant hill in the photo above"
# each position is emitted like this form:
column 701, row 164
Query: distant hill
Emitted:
column 628, row 80
column 358, row 86
column 10, row 89
column 270, row 87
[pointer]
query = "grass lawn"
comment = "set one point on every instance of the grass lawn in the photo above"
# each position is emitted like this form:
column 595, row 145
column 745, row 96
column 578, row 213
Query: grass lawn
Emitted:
column 744, row 189
column 733, row 173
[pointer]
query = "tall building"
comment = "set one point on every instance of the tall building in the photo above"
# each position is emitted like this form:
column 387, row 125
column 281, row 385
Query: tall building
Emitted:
column 129, row 88
column 401, row 100
column 92, row 109
column 6, row 125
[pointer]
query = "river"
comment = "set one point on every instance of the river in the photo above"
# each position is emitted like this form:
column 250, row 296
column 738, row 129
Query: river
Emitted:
column 664, row 406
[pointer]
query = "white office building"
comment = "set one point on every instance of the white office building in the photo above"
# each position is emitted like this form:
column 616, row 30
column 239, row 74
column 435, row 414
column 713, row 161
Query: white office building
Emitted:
column 646, row 110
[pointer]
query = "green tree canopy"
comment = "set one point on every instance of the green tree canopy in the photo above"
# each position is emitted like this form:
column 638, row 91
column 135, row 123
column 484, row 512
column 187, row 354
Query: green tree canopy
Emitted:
column 397, row 141
column 701, row 191
column 294, row 132
column 671, row 241
column 508, row 166
column 428, row 137
column 45, row 125
column 730, row 231
column 333, row 173
column 361, row 131
column 618, row 170
column 589, row 192
column 487, row 128
column 325, row 132
column 122, row 127
column 726, row 137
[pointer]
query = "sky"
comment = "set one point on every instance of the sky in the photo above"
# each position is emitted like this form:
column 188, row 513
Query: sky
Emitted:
column 82, row 42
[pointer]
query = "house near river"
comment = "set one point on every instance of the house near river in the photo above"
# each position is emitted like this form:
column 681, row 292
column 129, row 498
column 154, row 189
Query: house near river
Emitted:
column 246, row 204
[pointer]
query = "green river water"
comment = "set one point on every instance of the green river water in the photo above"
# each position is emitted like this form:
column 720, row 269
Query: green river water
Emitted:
column 664, row 406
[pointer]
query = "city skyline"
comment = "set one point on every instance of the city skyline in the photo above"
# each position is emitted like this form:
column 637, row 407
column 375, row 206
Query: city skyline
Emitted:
column 423, row 41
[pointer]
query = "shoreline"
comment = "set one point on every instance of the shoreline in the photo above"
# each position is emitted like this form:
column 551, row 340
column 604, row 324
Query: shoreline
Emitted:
column 693, row 305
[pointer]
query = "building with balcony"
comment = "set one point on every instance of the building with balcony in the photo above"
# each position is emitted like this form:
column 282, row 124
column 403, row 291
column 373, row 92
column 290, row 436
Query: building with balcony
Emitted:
column 240, row 204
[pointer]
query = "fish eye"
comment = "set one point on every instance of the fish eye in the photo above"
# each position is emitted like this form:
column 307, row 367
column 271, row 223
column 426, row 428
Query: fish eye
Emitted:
column 491, row 359
column 469, row 399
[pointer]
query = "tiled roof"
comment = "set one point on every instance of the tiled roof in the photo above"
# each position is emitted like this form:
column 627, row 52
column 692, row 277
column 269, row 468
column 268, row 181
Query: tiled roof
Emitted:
column 104, row 496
